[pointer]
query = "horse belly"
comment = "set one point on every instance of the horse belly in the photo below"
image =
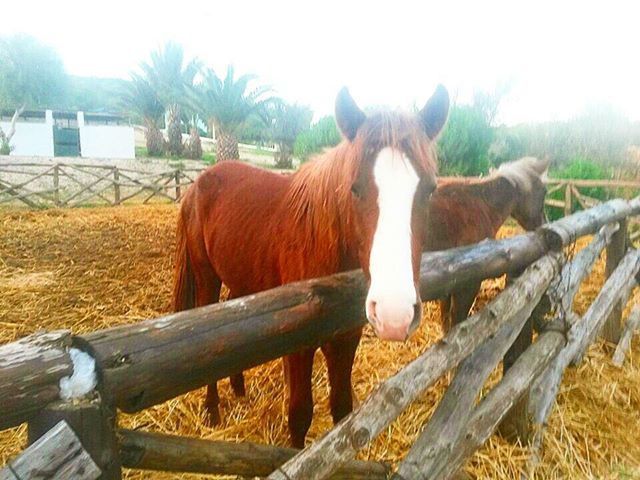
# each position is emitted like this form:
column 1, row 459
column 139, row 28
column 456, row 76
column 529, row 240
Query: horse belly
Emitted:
column 239, row 250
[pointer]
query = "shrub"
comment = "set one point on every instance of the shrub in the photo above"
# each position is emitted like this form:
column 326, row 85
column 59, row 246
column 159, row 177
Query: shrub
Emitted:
column 322, row 134
column 579, row 169
column 464, row 145
column 5, row 147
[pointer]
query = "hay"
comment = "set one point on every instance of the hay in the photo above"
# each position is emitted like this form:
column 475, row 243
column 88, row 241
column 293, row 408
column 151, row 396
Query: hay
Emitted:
column 91, row 269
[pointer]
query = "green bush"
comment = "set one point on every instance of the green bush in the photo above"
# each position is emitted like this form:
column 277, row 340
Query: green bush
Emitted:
column 579, row 169
column 464, row 145
column 5, row 147
column 322, row 134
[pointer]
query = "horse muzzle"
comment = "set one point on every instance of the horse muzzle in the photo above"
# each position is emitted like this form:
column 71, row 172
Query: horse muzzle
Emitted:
column 393, row 321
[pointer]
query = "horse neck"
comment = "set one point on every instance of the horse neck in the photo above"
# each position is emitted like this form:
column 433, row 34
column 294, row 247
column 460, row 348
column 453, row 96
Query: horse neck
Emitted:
column 319, row 213
column 501, row 197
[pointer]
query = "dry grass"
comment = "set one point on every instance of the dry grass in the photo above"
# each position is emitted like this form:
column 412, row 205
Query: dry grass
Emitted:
column 95, row 268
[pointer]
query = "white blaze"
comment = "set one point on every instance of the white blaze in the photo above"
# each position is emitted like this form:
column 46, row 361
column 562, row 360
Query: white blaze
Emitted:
column 392, row 293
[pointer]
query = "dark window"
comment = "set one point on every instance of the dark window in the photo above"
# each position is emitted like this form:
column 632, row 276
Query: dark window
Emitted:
column 92, row 119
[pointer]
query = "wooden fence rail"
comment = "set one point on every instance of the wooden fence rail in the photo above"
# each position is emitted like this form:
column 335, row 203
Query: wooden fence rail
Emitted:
column 573, row 198
column 74, row 184
column 147, row 363
column 40, row 185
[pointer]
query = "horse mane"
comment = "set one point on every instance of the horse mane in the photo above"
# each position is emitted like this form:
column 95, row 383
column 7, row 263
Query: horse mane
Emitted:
column 319, row 197
column 522, row 172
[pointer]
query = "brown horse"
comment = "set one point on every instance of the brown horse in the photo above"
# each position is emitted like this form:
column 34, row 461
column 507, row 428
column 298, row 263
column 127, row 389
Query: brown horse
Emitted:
column 462, row 212
column 360, row 204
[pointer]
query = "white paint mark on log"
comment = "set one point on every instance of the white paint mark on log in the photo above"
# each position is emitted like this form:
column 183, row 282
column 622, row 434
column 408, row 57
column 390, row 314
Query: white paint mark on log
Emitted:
column 83, row 380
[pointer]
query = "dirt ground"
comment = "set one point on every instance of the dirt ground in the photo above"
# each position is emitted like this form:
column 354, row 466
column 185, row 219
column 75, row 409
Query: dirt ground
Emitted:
column 87, row 269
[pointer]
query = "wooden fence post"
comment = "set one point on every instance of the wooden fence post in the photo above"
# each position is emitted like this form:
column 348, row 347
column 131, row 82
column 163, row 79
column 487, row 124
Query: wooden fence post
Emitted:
column 116, row 186
column 568, row 200
column 57, row 454
column 56, row 184
column 612, row 329
column 178, row 188
column 93, row 423
column 517, row 425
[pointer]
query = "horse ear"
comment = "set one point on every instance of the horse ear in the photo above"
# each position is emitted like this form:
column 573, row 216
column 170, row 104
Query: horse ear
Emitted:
column 349, row 117
column 435, row 112
column 541, row 166
column 545, row 162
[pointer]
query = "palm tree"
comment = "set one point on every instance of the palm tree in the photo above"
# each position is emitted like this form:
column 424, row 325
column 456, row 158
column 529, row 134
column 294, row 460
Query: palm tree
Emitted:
column 287, row 122
column 171, row 78
column 193, row 145
column 140, row 99
column 226, row 104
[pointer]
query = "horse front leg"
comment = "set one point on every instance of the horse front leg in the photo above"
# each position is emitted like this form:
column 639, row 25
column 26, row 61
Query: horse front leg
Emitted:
column 237, row 384
column 445, row 314
column 340, row 354
column 298, row 370
column 462, row 301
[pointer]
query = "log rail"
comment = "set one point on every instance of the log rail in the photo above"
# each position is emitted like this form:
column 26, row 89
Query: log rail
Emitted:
column 66, row 184
column 149, row 362
column 60, row 184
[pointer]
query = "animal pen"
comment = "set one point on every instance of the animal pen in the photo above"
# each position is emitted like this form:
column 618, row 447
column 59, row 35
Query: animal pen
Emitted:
column 144, row 364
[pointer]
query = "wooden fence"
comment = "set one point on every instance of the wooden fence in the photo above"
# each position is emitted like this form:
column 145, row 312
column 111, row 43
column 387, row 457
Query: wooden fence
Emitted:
column 40, row 185
column 573, row 197
column 143, row 364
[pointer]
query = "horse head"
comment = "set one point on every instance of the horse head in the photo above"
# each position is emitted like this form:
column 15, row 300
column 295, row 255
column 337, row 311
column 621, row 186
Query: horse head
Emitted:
column 528, row 175
column 393, row 176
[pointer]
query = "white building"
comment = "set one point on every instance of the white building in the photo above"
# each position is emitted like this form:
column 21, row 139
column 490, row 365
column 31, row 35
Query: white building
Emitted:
column 70, row 134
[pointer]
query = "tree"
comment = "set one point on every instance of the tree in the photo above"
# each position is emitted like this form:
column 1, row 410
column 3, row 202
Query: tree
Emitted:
column 193, row 145
column 324, row 133
column 226, row 104
column 255, row 131
column 171, row 77
column 95, row 94
column 287, row 122
column 464, row 145
column 140, row 99
column 32, row 75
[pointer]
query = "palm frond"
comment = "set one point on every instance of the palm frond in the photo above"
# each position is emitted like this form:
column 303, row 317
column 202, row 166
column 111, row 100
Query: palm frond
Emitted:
column 229, row 101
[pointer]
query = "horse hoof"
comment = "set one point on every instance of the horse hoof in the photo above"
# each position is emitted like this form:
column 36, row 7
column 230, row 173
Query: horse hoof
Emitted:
column 297, row 443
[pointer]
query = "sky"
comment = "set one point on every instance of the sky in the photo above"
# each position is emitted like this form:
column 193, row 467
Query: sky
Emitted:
column 557, row 57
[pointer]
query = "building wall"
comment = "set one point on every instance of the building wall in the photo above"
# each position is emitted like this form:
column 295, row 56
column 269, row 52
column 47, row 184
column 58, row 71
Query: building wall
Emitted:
column 33, row 139
column 97, row 141
column 107, row 141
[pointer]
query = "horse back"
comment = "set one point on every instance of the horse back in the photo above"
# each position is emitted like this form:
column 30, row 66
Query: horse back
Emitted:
column 459, row 215
column 231, row 212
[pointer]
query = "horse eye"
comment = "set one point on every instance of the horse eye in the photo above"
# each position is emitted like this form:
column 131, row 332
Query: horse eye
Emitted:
column 355, row 190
